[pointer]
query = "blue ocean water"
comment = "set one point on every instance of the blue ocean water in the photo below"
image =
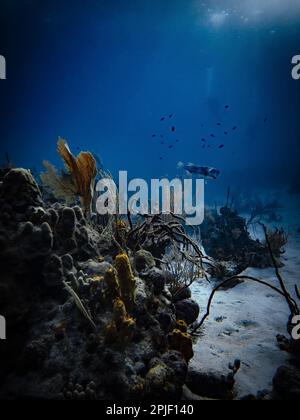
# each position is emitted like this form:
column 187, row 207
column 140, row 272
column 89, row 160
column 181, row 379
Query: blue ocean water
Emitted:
column 102, row 74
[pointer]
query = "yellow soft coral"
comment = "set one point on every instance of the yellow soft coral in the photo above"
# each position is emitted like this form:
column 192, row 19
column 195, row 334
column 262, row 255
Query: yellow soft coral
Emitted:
column 111, row 333
column 122, row 327
column 97, row 278
column 112, row 282
column 182, row 342
column 121, row 225
column 182, row 325
column 128, row 329
column 120, row 313
column 126, row 280
column 121, row 233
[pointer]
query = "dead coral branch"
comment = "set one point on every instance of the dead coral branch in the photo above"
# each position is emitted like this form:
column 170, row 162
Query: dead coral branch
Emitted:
column 228, row 281
column 292, row 304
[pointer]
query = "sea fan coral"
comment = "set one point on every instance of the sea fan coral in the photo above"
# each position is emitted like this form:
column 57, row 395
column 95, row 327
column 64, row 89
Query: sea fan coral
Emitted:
column 278, row 240
column 79, row 179
column 62, row 186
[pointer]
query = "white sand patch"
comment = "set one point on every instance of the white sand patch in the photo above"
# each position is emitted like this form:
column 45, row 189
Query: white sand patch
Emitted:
column 245, row 320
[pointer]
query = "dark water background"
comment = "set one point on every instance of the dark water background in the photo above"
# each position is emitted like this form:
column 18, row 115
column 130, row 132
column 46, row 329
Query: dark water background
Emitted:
column 102, row 74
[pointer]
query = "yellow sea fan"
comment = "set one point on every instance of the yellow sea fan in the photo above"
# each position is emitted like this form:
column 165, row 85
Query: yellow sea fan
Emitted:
column 83, row 170
column 63, row 187
column 78, row 181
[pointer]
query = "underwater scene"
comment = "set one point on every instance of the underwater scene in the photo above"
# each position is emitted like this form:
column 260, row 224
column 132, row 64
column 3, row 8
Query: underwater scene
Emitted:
column 150, row 201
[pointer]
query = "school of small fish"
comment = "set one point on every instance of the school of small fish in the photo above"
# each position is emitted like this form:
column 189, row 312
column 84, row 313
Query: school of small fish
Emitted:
column 204, row 171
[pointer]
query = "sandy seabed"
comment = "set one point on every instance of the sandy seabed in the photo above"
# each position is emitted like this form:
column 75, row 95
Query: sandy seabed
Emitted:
column 245, row 320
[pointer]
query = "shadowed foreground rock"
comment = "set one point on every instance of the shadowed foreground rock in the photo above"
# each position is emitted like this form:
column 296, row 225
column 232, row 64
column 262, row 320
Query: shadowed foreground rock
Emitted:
column 287, row 383
column 67, row 329
column 210, row 384
column 188, row 310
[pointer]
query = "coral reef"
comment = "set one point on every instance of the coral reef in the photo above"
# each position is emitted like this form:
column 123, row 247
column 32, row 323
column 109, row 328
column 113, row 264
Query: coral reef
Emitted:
column 75, row 307
column 81, row 298
column 226, row 239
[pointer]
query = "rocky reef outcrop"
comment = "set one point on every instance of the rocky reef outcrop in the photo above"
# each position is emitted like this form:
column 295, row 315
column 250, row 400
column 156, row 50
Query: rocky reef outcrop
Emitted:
column 226, row 238
column 82, row 299
column 76, row 308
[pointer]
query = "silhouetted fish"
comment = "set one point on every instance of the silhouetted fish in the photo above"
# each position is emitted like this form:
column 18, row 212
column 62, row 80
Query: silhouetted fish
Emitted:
column 171, row 115
column 226, row 106
column 162, row 118
column 171, row 147
column 219, row 124
column 234, row 128
column 177, row 141
column 203, row 140
column 212, row 135
column 173, row 129
column 226, row 133
column 153, row 135
column 221, row 146
column 204, row 171
column 265, row 120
